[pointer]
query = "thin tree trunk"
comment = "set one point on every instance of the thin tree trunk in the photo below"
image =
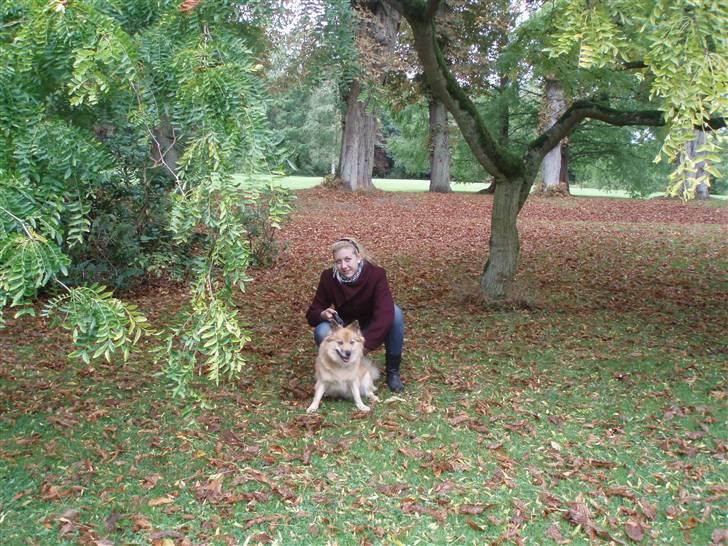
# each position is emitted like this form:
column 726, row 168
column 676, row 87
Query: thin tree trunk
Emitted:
column 357, row 144
column 440, row 149
column 504, row 245
column 551, row 167
column 696, row 181
column 165, row 148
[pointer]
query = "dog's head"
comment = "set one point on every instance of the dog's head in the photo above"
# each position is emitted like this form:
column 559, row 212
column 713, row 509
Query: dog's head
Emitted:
column 344, row 344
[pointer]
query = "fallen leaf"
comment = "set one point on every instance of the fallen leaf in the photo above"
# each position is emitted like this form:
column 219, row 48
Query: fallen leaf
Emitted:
column 474, row 525
column 648, row 509
column 634, row 530
column 473, row 509
column 151, row 480
column 719, row 536
column 159, row 501
column 554, row 533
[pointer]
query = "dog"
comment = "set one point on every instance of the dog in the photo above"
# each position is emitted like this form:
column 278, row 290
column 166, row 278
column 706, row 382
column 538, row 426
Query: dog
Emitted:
column 342, row 370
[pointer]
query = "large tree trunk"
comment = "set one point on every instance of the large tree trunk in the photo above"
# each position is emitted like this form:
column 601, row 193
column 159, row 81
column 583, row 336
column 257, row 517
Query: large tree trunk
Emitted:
column 377, row 36
column 357, row 144
column 696, row 180
column 504, row 244
column 553, row 168
column 439, row 148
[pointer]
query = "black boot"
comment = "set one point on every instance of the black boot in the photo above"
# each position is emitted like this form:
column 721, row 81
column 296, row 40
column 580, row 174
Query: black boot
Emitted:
column 393, row 381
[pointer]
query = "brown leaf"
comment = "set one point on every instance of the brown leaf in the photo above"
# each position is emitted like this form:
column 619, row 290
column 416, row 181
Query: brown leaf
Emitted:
column 554, row 533
column 473, row 509
column 458, row 419
column 411, row 507
column 634, row 530
column 159, row 501
column 392, row 489
column 112, row 520
column 411, row 452
column 648, row 509
column 619, row 491
column 719, row 536
column 140, row 523
column 474, row 525
column 262, row 519
column 151, row 480
column 69, row 516
column 210, row 492
column 51, row 492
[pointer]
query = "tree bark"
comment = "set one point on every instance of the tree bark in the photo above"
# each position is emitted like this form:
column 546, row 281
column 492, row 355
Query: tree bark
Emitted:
column 552, row 165
column 357, row 144
column 378, row 34
column 439, row 148
column 165, row 149
column 504, row 245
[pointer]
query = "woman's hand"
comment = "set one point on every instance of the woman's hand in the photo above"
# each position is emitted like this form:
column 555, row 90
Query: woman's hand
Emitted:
column 328, row 314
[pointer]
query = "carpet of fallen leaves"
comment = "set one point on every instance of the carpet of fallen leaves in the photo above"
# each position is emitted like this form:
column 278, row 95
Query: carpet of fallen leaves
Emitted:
column 594, row 411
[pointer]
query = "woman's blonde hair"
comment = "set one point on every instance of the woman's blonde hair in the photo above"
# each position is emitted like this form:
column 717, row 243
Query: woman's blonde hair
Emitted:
column 352, row 243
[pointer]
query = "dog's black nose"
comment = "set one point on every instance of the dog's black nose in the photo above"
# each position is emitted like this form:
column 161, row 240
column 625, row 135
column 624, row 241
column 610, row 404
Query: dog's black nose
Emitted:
column 346, row 354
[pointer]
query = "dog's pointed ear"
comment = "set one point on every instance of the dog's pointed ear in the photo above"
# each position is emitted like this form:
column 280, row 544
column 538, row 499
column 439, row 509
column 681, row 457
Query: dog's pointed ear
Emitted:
column 334, row 325
column 355, row 326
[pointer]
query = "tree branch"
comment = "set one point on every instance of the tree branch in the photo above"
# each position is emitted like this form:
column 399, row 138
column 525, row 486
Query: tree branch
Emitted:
column 495, row 158
column 578, row 112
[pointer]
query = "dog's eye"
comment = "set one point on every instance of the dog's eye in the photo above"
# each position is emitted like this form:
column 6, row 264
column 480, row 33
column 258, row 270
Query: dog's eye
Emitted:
column 339, row 342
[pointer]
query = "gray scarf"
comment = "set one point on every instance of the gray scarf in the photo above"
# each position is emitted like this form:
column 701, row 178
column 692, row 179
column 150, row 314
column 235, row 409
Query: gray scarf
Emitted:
column 348, row 280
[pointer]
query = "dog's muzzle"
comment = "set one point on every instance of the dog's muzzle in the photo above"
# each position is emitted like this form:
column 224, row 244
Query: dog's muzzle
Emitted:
column 344, row 355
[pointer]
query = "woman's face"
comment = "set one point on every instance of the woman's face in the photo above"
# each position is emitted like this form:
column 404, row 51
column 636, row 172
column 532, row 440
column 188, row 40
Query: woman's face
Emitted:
column 346, row 261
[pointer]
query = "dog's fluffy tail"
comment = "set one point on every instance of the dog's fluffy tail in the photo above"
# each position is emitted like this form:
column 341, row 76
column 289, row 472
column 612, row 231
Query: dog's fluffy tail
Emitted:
column 372, row 369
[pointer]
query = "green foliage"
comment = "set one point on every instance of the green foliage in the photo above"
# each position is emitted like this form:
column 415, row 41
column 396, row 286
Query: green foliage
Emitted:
column 121, row 124
column 308, row 120
column 612, row 158
column 28, row 261
column 685, row 58
column 209, row 337
column 100, row 324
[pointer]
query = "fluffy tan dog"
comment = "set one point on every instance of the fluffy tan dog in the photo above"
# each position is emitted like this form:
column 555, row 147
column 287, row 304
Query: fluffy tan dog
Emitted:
column 342, row 370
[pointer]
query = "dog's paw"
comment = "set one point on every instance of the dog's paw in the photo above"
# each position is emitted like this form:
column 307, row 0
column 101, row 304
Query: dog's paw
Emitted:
column 373, row 396
column 364, row 408
column 312, row 409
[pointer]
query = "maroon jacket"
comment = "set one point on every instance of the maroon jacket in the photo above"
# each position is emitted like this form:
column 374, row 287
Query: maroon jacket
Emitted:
column 367, row 300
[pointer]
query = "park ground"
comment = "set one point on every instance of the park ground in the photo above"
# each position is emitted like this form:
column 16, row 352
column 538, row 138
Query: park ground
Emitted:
column 592, row 410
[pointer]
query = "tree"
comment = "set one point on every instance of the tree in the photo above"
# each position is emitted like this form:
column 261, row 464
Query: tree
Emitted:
column 134, row 114
column 439, row 148
column 376, row 36
column 688, row 100
column 554, row 166
column 695, row 177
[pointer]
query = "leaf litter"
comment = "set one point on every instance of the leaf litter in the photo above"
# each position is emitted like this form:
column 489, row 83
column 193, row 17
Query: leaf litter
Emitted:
column 503, row 434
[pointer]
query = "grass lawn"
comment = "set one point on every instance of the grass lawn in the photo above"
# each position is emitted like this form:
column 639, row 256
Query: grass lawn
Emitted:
column 594, row 413
column 408, row 185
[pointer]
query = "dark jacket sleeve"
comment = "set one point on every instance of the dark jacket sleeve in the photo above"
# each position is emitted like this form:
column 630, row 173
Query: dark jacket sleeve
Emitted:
column 382, row 316
column 321, row 300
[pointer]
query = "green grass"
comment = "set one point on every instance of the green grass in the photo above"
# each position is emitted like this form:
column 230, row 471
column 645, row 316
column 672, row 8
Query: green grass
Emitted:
column 409, row 185
column 512, row 424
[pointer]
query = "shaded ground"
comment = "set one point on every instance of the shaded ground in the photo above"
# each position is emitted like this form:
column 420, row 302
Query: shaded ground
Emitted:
column 597, row 414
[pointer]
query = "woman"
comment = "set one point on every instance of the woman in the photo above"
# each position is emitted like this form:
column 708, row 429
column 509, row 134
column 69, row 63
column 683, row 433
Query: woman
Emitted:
column 357, row 289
